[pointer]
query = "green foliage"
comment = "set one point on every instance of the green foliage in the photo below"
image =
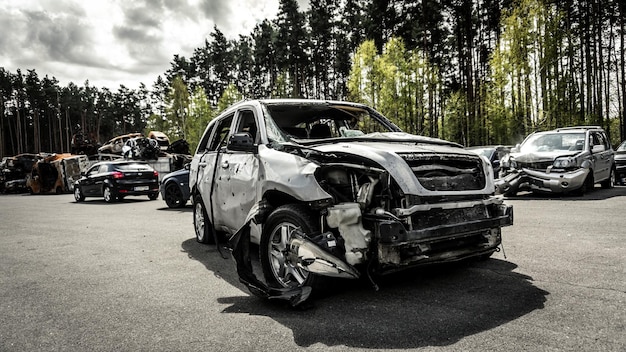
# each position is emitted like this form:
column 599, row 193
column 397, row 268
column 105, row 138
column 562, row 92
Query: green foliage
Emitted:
column 399, row 83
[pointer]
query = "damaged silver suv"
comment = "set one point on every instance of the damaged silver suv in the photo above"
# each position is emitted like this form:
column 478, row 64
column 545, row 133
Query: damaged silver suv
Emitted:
column 327, row 188
column 565, row 160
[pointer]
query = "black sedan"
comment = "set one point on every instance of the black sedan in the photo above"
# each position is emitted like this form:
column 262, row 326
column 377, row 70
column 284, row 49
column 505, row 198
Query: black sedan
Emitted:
column 175, row 188
column 115, row 180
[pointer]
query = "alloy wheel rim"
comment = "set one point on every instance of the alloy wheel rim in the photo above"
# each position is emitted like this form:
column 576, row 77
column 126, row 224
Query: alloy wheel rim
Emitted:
column 285, row 272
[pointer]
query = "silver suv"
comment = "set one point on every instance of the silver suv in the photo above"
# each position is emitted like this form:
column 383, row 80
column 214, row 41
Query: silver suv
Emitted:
column 565, row 160
column 334, row 189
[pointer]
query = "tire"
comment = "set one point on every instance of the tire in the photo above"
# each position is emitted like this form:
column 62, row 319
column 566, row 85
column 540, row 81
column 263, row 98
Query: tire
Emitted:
column 277, row 269
column 153, row 196
column 78, row 194
column 173, row 196
column 201, row 222
column 609, row 182
column 109, row 195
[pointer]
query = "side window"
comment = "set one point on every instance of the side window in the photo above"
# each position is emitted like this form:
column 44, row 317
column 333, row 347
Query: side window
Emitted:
column 222, row 130
column 247, row 123
column 103, row 169
column 93, row 171
column 605, row 141
column 597, row 139
column 205, row 139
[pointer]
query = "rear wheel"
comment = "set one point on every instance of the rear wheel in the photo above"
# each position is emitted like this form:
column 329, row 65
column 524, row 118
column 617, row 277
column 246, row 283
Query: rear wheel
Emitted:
column 278, row 269
column 153, row 196
column 201, row 222
column 109, row 195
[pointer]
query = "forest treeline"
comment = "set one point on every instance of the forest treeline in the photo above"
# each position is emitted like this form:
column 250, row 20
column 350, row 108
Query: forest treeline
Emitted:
column 474, row 72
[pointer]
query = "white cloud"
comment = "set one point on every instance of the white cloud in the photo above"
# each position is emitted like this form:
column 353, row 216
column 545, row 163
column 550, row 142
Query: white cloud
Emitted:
column 116, row 42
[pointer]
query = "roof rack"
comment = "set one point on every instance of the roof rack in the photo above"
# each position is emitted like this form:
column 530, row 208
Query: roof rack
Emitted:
column 578, row 128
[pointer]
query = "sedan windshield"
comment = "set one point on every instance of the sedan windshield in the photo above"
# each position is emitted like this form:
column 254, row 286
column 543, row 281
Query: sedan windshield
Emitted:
column 548, row 142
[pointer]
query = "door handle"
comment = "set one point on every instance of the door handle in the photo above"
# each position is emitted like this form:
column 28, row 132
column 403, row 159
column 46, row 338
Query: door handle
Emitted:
column 225, row 165
column 202, row 164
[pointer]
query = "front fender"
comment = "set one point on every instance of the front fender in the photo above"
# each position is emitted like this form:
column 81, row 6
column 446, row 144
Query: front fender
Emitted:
column 290, row 174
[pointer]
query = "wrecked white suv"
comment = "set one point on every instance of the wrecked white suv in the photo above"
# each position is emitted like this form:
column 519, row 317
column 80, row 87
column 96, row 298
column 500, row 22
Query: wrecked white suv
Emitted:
column 326, row 188
column 565, row 160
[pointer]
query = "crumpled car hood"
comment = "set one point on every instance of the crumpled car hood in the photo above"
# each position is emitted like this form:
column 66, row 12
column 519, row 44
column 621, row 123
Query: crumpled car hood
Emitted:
column 387, row 155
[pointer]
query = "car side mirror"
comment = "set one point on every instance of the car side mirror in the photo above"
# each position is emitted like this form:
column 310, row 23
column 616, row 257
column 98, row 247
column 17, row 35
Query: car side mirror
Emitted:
column 187, row 166
column 241, row 142
column 597, row 148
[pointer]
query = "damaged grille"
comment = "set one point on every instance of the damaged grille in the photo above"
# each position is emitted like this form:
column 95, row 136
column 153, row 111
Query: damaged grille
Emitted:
column 447, row 172
column 539, row 166
column 436, row 217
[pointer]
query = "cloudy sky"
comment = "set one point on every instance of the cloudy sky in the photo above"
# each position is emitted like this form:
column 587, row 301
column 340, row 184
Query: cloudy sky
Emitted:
column 115, row 42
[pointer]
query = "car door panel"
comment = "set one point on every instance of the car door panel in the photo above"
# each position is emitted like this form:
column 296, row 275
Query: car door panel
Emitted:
column 235, row 184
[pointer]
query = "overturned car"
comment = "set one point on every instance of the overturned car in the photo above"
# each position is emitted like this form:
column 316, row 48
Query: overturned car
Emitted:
column 328, row 188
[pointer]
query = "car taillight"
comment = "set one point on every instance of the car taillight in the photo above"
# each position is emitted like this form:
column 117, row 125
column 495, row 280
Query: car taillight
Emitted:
column 156, row 174
column 118, row 174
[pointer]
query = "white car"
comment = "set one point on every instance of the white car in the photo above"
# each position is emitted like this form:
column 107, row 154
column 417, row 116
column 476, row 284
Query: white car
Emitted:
column 328, row 188
column 565, row 160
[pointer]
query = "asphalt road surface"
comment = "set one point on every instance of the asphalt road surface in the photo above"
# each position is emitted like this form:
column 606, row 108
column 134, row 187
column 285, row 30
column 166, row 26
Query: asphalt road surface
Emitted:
column 130, row 276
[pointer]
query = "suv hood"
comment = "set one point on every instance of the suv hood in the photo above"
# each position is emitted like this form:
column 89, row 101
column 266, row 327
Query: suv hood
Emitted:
column 541, row 156
column 393, row 155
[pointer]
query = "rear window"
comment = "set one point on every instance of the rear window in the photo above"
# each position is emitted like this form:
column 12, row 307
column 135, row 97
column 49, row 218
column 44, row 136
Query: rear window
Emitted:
column 132, row 167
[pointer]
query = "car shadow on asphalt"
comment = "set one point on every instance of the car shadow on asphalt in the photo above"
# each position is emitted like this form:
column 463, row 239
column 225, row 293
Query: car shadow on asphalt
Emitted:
column 185, row 209
column 429, row 306
column 598, row 193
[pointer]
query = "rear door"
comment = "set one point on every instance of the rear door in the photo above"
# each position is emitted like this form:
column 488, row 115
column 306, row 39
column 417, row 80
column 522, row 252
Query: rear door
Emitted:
column 202, row 171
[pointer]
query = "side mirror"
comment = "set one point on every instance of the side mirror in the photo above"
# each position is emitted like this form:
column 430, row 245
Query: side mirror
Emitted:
column 597, row 148
column 187, row 166
column 241, row 142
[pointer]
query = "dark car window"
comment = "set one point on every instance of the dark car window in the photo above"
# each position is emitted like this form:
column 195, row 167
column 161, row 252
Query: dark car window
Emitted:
column 219, row 138
column 247, row 123
column 133, row 167
column 205, row 139
column 93, row 171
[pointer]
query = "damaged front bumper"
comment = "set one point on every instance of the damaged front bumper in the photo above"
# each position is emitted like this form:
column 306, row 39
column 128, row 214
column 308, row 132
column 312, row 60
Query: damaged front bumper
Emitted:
column 539, row 181
column 472, row 229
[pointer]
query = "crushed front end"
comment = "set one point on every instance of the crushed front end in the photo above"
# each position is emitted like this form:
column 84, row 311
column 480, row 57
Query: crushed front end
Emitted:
column 442, row 210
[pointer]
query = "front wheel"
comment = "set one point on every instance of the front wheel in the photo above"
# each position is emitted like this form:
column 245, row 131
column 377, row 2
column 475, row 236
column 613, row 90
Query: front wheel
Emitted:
column 78, row 194
column 173, row 196
column 278, row 269
column 201, row 222
column 587, row 185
